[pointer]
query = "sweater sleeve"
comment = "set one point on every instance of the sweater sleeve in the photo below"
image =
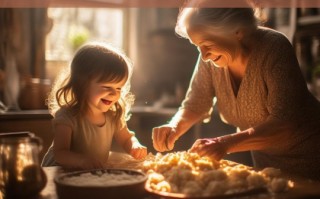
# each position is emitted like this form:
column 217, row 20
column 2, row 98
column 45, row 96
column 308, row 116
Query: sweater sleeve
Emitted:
column 200, row 94
column 285, row 83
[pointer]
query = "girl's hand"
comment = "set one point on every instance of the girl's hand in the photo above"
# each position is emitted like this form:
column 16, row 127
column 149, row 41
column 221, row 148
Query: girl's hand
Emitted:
column 213, row 148
column 164, row 137
column 138, row 151
column 91, row 163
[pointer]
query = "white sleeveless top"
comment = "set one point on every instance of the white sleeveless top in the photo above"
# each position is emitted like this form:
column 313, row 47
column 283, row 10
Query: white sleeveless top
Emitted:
column 87, row 138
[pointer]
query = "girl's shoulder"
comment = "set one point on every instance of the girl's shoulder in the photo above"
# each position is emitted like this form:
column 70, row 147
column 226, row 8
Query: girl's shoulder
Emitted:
column 64, row 115
column 63, row 111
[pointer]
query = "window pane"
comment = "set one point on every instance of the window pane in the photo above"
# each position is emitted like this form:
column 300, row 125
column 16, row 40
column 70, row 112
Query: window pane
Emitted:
column 74, row 26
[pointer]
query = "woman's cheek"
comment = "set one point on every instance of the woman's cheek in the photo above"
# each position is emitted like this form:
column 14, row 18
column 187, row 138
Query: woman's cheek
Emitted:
column 222, row 62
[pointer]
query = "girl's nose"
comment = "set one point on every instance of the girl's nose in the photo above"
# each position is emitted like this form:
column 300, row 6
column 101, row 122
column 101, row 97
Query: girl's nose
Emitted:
column 113, row 92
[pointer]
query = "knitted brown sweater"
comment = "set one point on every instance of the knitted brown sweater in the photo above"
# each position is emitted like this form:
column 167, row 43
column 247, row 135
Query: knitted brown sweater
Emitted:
column 273, row 87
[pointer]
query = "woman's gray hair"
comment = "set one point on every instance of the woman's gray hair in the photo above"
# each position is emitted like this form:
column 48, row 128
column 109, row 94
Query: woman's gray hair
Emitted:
column 215, row 19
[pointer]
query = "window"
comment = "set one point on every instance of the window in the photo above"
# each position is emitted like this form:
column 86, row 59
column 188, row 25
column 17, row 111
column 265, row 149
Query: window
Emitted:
column 71, row 27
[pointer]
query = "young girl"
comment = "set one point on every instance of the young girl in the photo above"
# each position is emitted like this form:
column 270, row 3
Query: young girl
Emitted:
column 90, row 106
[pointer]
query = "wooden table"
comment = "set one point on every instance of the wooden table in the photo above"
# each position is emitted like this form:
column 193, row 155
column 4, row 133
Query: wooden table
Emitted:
column 303, row 189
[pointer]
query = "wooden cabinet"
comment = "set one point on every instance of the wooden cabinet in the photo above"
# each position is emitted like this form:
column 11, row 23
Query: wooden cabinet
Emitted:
column 307, row 45
column 37, row 122
column 302, row 27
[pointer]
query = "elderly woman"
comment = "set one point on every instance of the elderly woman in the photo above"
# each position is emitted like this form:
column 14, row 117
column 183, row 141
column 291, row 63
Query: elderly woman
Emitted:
column 254, row 74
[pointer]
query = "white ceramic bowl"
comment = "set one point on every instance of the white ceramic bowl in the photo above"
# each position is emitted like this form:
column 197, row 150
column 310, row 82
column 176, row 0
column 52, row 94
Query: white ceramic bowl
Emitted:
column 77, row 185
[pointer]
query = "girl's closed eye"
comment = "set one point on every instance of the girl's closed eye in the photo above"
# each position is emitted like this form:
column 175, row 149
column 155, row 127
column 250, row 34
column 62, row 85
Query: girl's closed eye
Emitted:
column 106, row 87
column 109, row 88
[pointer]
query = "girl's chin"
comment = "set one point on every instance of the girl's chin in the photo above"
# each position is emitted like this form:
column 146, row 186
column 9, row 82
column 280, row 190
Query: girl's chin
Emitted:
column 105, row 108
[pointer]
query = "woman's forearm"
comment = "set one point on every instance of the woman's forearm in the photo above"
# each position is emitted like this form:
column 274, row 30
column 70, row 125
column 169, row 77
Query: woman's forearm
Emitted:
column 184, row 119
column 264, row 136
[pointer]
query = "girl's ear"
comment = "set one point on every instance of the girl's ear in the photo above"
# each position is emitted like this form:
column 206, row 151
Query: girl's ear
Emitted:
column 239, row 34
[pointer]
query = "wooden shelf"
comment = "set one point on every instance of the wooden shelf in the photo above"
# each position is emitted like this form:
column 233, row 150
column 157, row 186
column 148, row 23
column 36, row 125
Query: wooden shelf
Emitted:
column 309, row 20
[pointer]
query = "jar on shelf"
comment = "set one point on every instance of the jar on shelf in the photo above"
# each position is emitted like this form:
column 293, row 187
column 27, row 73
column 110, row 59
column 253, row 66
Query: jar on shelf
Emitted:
column 34, row 93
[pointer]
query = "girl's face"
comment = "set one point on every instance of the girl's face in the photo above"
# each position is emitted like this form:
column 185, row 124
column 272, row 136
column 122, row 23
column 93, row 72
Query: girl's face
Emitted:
column 221, row 50
column 103, row 95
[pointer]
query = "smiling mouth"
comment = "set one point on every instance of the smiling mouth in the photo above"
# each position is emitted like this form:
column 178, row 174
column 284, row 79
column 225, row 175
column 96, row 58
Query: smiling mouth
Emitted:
column 107, row 102
column 216, row 59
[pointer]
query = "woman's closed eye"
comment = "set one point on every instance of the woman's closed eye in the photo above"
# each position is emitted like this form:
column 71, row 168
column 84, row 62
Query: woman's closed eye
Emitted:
column 206, row 47
column 210, row 46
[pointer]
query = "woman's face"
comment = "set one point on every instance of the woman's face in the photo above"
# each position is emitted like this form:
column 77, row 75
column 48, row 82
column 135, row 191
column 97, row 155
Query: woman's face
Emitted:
column 221, row 50
column 103, row 95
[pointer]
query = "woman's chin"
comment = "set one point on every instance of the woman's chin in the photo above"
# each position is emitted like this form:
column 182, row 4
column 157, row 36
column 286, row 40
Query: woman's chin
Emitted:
column 219, row 65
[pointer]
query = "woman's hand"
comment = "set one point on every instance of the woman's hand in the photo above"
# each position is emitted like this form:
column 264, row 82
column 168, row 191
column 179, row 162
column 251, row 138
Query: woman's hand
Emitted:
column 138, row 151
column 214, row 148
column 164, row 137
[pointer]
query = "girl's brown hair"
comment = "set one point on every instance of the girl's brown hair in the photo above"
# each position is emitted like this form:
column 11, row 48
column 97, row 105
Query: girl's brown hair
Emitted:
column 93, row 60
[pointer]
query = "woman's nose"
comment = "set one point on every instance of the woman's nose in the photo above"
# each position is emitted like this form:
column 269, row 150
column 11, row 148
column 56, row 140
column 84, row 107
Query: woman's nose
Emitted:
column 205, row 55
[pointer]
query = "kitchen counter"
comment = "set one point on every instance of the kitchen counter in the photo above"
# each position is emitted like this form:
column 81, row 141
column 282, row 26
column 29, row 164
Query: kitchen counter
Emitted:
column 143, row 119
column 25, row 114
column 44, row 114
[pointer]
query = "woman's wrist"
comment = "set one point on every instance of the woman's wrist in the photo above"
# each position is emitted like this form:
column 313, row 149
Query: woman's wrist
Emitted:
column 178, row 121
column 175, row 126
column 233, row 141
column 226, row 141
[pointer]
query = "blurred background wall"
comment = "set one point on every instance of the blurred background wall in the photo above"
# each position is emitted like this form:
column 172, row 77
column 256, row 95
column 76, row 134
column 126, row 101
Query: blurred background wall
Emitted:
column 37, row 43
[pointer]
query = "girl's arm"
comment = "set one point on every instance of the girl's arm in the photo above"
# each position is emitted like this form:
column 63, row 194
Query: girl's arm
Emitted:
column 67, row 158
column 130, row 143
